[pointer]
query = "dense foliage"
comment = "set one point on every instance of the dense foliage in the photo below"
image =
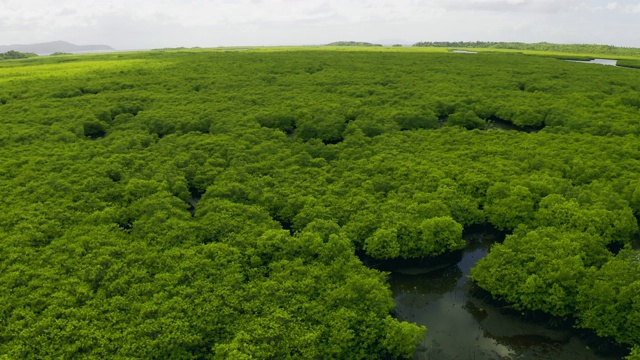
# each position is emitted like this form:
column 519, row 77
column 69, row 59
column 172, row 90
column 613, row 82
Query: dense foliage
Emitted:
column 209, row 204
column 11, row 55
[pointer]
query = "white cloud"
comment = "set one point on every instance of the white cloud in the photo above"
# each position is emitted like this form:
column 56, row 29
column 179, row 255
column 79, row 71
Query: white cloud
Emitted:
column 536, row 6
column 633, row 8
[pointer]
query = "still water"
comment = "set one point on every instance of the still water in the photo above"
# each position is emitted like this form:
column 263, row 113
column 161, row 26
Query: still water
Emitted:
column 463, row 325
column 608, row 62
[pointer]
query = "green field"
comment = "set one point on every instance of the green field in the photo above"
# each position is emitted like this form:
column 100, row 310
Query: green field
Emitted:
column 209, row 203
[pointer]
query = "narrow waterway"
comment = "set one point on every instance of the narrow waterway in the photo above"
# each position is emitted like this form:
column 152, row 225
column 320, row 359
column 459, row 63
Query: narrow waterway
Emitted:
column 608, row 62
column 463, row 325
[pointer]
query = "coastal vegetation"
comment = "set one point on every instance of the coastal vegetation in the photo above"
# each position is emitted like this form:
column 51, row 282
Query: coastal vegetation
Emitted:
column 542, row 46
column 212, row 204
column 352, row 43
column 12, row 55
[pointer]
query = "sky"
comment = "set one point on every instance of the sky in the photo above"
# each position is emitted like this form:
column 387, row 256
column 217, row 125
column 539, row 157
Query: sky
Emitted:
column 147, row 24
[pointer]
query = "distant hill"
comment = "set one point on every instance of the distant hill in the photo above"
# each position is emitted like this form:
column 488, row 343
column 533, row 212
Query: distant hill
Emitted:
column 53, row 47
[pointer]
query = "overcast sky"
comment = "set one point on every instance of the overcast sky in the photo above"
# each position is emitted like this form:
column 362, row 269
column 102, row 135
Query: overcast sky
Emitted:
column 144, row 24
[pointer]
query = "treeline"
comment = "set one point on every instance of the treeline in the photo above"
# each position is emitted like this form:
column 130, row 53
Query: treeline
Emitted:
column 352, row 43
column 210, row 204
column 542, row 46
column 11, row 54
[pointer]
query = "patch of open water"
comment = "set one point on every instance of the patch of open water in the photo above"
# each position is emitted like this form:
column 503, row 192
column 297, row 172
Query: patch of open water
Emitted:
column 607, row 62
column 463, row 325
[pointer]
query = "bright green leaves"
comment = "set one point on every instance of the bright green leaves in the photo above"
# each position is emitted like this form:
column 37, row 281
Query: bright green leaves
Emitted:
column 635, row 353
column 609, row 300
column 401, row 338
column 507, row 207
column 407, row 240
column 591, row 209
column 304, row 298
column 466, row 119
column 383, row 244
column 433, row 237
column 330, row 308
column 541, row 269
column 444, row 232
column 617, row 225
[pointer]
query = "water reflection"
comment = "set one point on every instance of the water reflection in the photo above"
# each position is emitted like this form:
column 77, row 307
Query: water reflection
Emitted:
column 462, row 325
column 608, row 62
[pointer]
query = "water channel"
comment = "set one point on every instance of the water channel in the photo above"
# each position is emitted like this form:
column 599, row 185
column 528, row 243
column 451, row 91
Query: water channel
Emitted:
column 607, row 62
column 463, row 323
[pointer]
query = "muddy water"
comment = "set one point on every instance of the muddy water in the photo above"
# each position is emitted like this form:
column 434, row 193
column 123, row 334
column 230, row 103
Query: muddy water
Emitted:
column 462, row 325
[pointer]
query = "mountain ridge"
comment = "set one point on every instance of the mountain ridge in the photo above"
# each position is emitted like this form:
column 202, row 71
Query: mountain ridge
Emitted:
column 52, row 47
